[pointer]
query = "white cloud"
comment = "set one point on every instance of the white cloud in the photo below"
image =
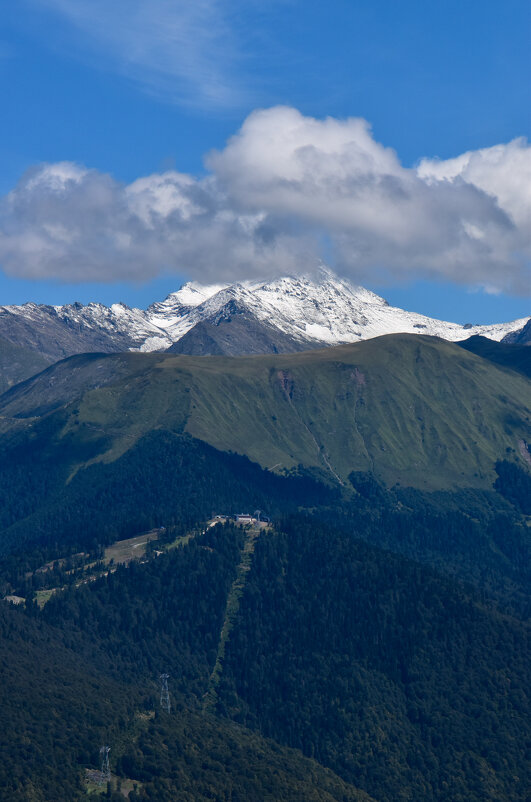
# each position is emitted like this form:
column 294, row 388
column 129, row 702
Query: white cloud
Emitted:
column 180, row 50
column 65, row 222
column 466, row 219
column 503, row 172
column 284, row 185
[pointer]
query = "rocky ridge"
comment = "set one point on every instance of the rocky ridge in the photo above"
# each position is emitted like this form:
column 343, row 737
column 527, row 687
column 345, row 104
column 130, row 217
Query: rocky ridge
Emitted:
column 286, row 314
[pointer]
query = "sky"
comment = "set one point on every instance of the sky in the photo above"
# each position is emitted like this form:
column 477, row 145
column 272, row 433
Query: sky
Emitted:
column 144, row 144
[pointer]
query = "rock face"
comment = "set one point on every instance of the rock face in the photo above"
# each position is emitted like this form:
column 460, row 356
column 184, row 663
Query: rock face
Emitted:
column 284, row 315
column 234, row 331
column 520, row 337
column 56, row 332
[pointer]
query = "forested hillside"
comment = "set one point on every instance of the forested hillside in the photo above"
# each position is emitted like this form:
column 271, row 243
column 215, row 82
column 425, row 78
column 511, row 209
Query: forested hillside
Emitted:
column 404, row 683
column 368, row 642
column 56, row 709
column 84, row 672
column 378, row 669
column 166, row 480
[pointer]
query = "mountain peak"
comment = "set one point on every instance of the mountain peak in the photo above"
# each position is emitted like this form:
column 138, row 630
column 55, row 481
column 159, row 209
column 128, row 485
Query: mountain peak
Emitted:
column 189, row 295
column 286, row 313
column 311, row 310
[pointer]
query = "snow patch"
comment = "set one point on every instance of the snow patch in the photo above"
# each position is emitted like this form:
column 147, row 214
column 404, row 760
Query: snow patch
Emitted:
column 313, row 310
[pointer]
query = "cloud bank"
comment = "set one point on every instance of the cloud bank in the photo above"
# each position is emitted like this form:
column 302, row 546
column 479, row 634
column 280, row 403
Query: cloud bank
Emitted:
column 285, row 192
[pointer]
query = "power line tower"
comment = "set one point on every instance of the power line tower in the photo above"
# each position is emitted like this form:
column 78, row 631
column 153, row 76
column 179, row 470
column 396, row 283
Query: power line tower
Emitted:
column 105, row 771
column 164, row 693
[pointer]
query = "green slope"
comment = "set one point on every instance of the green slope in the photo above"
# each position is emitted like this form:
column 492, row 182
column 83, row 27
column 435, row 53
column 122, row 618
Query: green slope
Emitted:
column 407, row 410
column 411, row 409
column 516, row 357
column 220, row 761
column 385, row 672
column 59, row 703
column 56, row 709
column 402, row 682
column 18, row 363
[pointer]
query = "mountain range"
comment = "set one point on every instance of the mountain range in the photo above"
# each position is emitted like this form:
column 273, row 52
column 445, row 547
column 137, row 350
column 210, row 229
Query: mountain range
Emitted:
column 369, row 645
column 365, row 641
column 284, row 315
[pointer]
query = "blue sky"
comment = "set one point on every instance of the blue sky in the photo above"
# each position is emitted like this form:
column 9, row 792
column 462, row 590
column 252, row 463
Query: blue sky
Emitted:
column 131, row 90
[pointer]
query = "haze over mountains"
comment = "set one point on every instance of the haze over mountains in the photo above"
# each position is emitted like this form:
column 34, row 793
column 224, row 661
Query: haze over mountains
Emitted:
column 285, row 315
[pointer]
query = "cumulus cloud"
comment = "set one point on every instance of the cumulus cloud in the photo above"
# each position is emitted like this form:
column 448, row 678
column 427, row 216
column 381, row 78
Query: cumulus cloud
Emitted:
column 284, row 188
column 464, row 221
column 65, row 222
column 503, row 172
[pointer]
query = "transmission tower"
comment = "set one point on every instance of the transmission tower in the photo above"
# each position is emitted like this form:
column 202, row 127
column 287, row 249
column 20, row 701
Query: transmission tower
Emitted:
column 164, row 693
column 105, row 772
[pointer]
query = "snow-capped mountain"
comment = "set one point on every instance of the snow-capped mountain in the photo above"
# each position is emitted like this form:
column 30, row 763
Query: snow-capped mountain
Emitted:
column 327, row 311
column 291, row 313
column 60, row 331
column 520, row 336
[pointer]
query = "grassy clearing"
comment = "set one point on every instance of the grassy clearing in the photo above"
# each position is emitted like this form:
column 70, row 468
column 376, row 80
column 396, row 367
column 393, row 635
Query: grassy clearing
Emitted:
column 13, row 599
column 121, row 552
column 180, row 541
column 44, row 596
column 133, row 548
column 123, row 784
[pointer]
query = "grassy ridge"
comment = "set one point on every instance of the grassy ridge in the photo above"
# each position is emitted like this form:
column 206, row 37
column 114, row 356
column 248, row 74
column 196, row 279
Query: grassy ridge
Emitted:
column 409, row 408
column 415, row 410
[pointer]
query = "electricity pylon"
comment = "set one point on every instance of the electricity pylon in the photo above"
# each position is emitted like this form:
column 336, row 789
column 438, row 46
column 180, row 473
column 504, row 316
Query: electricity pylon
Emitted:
column 105, row 772
column 164, row 693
